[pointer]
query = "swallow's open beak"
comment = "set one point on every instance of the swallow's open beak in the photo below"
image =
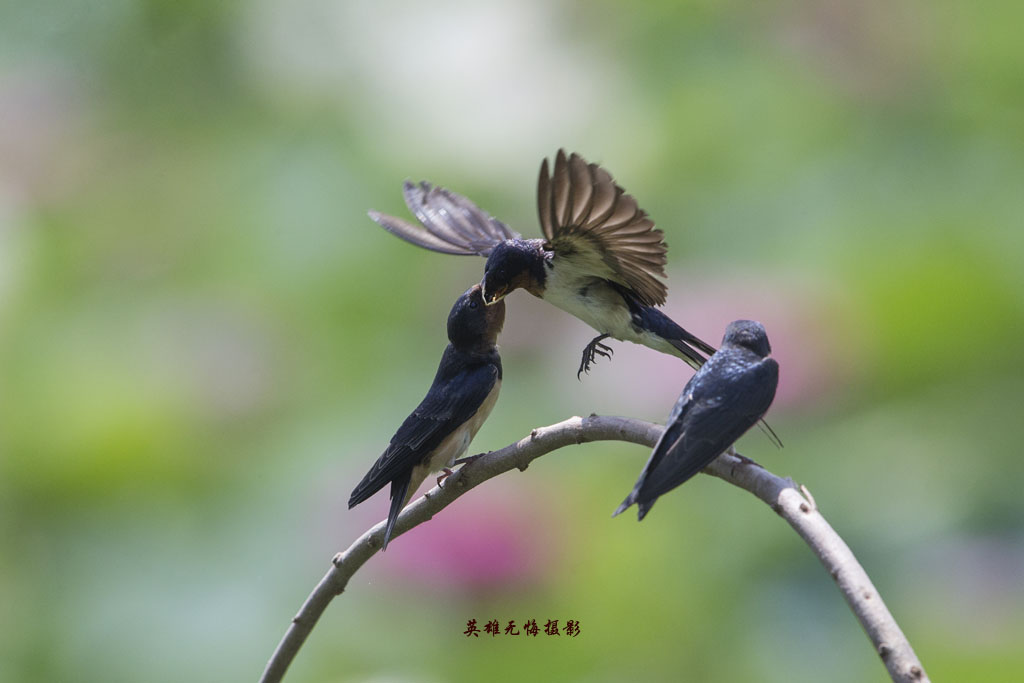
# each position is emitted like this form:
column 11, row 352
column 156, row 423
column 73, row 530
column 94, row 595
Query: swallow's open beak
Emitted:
column 494, row 297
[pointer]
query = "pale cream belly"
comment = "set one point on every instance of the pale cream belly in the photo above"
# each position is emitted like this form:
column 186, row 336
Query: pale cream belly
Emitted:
column 601, row 307
column 455, row 444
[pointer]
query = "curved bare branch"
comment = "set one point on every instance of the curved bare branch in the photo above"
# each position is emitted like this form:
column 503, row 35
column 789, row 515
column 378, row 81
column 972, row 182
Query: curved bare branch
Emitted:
column 782, row 495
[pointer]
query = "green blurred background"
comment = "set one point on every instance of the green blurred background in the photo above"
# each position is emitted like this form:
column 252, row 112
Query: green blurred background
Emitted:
column 204, row 341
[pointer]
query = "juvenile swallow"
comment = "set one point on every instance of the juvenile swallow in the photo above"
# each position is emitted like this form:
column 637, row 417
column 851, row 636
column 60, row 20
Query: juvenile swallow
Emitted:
column 439, row 430
column 600, row 258
column 730, row 393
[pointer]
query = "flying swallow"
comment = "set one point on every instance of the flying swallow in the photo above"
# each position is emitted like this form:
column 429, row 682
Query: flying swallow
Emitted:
column 439, row 430
column 600, row 258
column 730, row 393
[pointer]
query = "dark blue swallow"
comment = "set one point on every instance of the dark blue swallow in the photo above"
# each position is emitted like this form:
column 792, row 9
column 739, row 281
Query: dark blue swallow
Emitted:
column 438, row 432
column 718, row 405
column 600, row 258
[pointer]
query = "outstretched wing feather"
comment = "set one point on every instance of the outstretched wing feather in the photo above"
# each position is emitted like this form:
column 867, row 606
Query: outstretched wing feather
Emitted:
column 586, row 216
column 450, row 223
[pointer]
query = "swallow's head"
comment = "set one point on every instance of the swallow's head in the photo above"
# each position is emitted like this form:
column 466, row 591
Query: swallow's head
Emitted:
column 513, row 264
column 471, row 323
column 748, row 334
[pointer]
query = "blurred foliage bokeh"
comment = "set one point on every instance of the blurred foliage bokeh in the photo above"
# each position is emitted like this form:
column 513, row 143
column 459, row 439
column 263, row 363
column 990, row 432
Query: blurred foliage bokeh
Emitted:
column 204, row 341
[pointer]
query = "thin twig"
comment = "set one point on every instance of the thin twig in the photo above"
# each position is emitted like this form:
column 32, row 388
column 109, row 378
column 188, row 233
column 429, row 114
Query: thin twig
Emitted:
column 780, row 494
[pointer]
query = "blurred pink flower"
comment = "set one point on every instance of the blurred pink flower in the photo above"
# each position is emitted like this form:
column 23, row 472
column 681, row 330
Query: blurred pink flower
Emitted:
column 490, row 539
column 41, row 107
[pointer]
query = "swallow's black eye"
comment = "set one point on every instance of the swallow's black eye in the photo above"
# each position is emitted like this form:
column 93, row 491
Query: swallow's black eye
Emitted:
column 472, row 303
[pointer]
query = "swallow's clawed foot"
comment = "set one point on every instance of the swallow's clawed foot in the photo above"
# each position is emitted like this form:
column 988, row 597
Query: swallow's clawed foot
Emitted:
column 591, row 351
column 468, row 459
column 445, row 473
column 743, row 460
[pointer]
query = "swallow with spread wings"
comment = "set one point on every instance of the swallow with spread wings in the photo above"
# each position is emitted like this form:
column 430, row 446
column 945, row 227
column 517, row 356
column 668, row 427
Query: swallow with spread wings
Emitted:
column 600, row 259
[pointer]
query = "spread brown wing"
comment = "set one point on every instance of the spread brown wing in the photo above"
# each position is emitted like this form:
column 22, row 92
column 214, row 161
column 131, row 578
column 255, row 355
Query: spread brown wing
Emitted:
column 587, row 217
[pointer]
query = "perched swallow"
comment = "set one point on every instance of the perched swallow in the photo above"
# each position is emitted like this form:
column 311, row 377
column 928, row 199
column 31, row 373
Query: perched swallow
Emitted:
column 718, row 405
column 600, row 258
column 438, row 432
